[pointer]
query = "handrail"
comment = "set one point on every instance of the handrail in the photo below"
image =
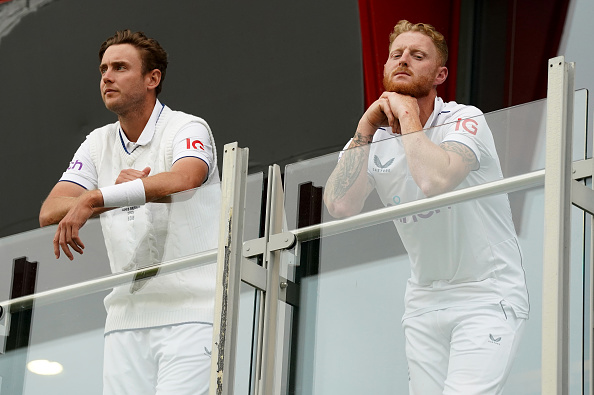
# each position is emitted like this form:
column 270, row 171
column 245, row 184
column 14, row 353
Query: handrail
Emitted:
column 510, row 184
column 107, row 282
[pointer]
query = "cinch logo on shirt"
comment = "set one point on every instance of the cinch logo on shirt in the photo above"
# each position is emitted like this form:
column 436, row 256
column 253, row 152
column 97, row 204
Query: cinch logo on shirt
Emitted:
column 469, row 125
column 74, row 164
column 194, row 144
column 416, row 217
column 381, row 167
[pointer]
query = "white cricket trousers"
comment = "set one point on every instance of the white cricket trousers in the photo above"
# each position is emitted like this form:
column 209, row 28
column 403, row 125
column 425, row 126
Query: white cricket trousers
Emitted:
column 459, row 351
column 169, row 360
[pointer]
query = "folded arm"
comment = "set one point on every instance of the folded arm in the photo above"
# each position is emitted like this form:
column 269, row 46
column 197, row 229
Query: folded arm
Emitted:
column 435, row 168
column 70, row 205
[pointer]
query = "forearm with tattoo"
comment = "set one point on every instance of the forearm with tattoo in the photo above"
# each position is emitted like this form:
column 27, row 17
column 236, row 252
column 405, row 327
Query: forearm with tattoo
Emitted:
column 348, row 168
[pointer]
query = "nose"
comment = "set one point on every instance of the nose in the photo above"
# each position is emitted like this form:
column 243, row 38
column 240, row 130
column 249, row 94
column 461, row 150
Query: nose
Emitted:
column 404, row 59
column 106, row 76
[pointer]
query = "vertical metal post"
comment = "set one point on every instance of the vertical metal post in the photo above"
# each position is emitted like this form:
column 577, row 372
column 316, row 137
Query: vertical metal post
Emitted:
column 555, row 313
column 235, row 164
column 267, row 345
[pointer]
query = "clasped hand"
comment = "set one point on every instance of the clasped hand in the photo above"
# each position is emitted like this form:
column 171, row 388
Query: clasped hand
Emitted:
column 67, row 233
column 389, row 109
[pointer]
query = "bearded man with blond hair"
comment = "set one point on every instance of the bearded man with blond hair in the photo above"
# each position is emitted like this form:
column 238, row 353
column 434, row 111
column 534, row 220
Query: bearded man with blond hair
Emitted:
column 466, row 301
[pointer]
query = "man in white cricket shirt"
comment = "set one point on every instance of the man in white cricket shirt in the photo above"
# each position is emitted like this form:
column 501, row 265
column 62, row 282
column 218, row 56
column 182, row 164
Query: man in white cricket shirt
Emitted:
column 466, row 300
column 158, row 332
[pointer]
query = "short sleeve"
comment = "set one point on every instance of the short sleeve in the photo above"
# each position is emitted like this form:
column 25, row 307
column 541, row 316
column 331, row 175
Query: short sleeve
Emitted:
column 81, row 169
column 468, row 128
column 193, row 140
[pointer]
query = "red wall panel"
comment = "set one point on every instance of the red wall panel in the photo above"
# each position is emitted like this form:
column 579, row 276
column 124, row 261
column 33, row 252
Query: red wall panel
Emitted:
column 534, row 35
column 378, row 17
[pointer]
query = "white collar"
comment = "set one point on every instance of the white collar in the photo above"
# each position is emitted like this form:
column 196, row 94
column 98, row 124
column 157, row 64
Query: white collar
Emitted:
column 437, row 107
column 147, row 133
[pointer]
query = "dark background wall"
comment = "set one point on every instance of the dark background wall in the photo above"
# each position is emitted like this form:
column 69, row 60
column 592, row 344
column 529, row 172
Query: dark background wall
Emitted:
column 282, row 78
column 289, row 80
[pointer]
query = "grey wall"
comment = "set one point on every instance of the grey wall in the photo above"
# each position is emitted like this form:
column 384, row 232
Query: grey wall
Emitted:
column 282, row 78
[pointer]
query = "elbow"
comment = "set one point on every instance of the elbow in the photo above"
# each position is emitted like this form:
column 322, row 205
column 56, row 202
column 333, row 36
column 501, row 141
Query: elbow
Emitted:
column 44, row 219
column 431, row 188
column 339, row 209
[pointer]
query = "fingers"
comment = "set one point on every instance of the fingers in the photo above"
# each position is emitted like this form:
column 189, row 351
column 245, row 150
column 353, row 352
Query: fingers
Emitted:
column 131, row 175
column 67, row 237
column 74, row 241
column 387, row 110
column 57, row 243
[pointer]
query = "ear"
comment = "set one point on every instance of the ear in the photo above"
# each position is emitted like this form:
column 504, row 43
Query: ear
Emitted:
column 153, row 78
column 441, row 76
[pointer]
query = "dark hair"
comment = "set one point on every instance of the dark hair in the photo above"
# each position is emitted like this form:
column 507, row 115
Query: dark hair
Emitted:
column 152, row 54
column 404, row 26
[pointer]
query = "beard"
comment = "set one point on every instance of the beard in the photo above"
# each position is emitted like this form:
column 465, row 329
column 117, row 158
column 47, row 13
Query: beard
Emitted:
column 125, row 104
column 419, row 86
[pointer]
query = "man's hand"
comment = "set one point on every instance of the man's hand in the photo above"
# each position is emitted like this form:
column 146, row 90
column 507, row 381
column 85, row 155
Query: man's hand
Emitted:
column 403, row 112
column 391, row 109
column 131, row 175
column 67, row 236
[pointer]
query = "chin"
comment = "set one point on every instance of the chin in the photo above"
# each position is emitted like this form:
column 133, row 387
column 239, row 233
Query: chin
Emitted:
column 416, row 89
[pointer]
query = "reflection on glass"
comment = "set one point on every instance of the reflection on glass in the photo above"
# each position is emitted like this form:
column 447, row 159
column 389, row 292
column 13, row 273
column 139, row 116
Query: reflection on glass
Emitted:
column 172, row 290
column 461, row 259
column 466, row 300
column 69, row 333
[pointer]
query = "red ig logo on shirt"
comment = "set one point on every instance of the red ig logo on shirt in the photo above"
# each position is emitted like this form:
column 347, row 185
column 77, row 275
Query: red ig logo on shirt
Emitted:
column 194, row 144
column 469, row 125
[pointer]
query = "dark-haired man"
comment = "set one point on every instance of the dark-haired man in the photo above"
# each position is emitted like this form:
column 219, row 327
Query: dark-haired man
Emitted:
column 158, row 331
column 466, row 299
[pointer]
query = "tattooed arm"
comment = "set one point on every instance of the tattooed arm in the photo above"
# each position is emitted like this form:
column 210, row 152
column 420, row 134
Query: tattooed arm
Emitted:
column 349, row 185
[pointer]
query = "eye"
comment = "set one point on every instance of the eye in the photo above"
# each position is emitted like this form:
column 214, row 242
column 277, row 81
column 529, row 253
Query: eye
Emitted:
column 395, row 55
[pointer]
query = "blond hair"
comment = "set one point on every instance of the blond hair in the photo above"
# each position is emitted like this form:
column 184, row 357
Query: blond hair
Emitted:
column 438, row 39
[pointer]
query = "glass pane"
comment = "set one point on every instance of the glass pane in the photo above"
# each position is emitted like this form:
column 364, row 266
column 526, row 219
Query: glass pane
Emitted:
column 350, row 336
column 70, row 333
column 165, row 277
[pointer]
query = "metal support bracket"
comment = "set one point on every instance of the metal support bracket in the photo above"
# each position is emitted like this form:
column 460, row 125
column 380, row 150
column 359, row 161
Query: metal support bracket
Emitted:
column 581, row 169
column 253, row 274
column 289, row 292
column 276, row 242
column 582, row 196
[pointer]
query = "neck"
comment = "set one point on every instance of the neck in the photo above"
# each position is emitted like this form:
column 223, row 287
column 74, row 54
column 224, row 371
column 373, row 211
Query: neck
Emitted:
column 426, row 105
column 134, row 121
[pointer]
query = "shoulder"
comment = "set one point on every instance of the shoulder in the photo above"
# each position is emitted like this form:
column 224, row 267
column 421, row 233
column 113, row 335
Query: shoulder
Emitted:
column 452, row 111
column 178, row 119
column 102, row 134
column 109, row 129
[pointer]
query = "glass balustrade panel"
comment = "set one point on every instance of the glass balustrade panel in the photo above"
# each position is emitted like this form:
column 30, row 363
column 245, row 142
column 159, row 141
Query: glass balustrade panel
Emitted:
column 163, row 277
column 347, row 333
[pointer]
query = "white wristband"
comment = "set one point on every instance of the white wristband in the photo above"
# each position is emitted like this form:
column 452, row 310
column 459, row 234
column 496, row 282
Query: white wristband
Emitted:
column 123, row 195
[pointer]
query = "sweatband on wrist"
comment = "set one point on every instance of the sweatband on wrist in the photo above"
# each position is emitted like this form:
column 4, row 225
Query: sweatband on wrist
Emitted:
column 123, row 195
